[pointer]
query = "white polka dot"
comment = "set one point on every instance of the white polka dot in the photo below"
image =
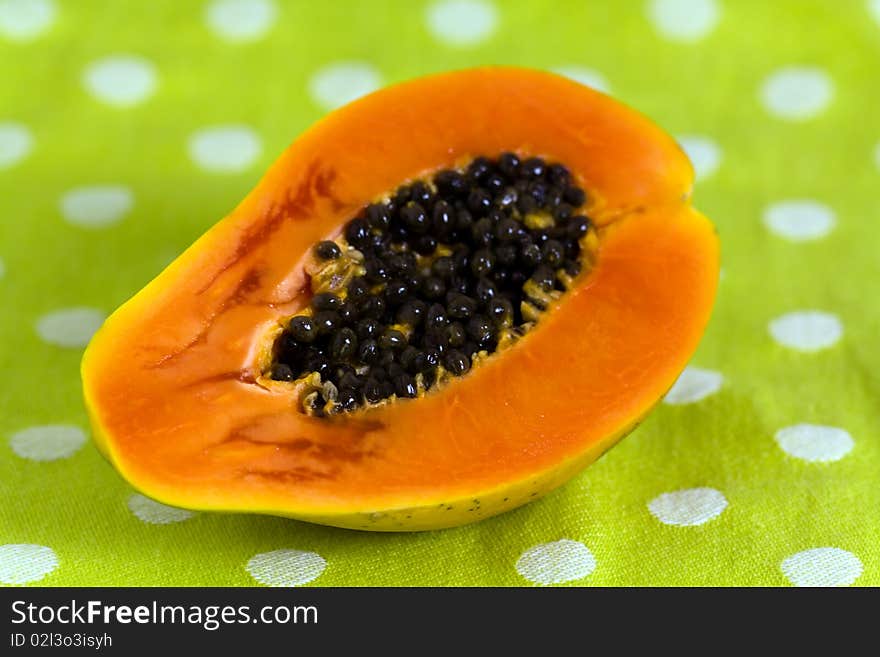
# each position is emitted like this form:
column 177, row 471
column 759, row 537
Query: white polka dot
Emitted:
column 703, row 153
column 225, row 148
column 808, row 330
column 23, row 20
column 814, row 442
column 120, row 80
column 97, row 206
column 586, row 76
column 687, row 508
column 684, row 20
column 825, row 566
column 338, row 84
column 16, row 142
column 799, row 220
column 70, row 327
column 48, row 442
column 240, row 20
column 877, row 155
column 21, row 563
column 462, row 22
column 286, row 567
column 154, row 513
column 797, row 93
column 874, row 8
column 693, row 385
column 553, row 563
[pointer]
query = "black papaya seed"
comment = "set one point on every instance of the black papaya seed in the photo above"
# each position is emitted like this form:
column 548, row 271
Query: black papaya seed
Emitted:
column 430, row 276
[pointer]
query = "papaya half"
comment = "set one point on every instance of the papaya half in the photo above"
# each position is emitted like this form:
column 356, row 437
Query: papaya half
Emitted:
column 441, row 302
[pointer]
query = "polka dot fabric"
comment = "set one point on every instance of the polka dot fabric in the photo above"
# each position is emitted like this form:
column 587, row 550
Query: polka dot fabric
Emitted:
column 758, row 467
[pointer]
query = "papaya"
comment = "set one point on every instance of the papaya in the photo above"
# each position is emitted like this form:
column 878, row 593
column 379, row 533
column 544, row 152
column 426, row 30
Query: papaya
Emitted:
column 441, row 302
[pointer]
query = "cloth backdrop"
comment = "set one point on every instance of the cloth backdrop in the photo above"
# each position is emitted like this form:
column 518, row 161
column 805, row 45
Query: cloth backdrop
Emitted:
column 128, row 128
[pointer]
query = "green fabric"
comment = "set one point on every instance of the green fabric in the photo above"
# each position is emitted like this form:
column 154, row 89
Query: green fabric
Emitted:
column 771, row 517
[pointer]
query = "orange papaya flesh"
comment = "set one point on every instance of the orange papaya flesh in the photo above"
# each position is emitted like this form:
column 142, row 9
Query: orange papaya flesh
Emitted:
column 194, row 423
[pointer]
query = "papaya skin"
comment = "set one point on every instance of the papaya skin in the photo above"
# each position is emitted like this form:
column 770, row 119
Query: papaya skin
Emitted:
column 194, row 424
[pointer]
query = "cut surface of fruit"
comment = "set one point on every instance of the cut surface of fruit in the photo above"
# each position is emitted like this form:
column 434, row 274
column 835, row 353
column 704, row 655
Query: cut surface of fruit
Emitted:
column 219, row 407
column 429, row 282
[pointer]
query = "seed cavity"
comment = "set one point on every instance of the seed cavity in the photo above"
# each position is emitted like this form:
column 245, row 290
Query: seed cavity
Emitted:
column 424, row 285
